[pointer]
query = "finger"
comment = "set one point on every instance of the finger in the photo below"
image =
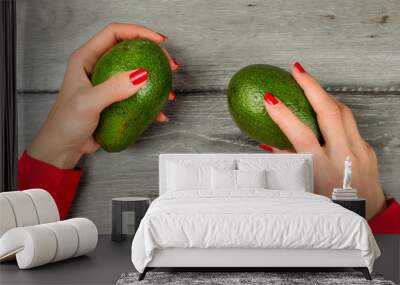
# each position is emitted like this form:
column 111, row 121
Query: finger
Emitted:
column 171, row 96
column 90, row 52
column 271, row 149
column 162, row 118
column 301, row 136
column 91, row 146
column 172, row 62
column 328, row 113
column 349, row 123
column 115, row 89
column 282, row 151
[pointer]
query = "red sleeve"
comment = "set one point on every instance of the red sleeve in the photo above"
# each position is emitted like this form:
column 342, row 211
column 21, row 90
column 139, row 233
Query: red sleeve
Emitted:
column 61, row 184
column 388, row 220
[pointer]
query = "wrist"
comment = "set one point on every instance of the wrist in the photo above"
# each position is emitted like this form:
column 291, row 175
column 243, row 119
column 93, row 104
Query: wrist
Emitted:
column 376, row 201
column 45, row 150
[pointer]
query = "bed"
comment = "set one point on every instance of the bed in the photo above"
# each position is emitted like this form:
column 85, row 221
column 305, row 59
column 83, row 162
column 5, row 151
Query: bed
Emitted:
column 247, row 211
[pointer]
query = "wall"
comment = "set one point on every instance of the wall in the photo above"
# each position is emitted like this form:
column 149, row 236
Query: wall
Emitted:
column 352, row 47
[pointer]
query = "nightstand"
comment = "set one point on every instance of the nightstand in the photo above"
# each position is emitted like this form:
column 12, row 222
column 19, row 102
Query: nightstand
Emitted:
column 356, row 205
column 127, row 212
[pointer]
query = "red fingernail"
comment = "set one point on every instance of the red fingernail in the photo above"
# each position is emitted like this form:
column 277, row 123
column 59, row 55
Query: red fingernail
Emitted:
column 265, row 147
column 172, row 96
column 138, row 76
column 299, row 67
column 162, row 117
column 164, row 37
column 270, row 99
column 174, row 61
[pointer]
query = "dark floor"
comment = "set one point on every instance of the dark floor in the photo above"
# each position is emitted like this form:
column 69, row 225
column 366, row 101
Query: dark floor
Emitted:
column 110, row 259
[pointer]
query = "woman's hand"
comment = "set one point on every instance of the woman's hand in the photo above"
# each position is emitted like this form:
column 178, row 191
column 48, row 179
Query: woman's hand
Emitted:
column 342, row 139
column 67, row 133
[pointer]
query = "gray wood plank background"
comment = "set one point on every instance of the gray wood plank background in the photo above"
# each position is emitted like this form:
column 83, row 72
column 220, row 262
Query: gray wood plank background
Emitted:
column 346, row 43
column 353, row 47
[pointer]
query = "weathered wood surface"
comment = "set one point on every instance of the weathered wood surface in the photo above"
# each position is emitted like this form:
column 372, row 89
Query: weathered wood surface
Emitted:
column 345, row 43
column 200, row 122
column 353, row 47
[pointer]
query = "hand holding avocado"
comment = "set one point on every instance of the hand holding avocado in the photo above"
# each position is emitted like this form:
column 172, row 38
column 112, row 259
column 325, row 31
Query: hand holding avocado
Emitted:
column 67, row 133
column 123, row 122
column 340, row 133
column 245, row 99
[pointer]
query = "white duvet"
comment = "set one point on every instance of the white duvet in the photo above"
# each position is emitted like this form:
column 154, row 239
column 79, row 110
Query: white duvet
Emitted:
column 250, row 219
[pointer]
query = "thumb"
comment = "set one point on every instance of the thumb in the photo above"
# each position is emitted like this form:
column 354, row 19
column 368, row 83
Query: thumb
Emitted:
column 118, row 88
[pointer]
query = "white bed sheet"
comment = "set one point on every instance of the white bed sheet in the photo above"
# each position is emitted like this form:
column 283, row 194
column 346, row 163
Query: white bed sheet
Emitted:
column 250, row 218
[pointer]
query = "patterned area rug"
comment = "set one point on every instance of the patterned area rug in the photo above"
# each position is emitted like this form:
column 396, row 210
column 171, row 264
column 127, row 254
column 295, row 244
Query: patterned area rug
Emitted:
column 243, row 278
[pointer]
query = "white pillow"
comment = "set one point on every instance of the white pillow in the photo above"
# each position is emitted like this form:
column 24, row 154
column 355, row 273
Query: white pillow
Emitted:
column 251, row 178
column 295, row 180
column 193, row 175
column 223, row 179
column 282, row 174
column 189, row 177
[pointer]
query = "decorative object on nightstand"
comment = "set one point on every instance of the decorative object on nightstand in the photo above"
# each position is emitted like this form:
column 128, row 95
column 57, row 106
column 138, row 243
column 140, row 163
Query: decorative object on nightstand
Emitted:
column 355, row 205
column 347, row 192
column 347, row 196
column 127, row 212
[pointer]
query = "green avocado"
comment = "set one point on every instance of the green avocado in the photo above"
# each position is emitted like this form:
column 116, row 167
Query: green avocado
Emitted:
column 122, row 123
column 246, row 103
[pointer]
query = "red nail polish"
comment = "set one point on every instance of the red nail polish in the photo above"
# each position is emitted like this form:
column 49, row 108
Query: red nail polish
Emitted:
column 162, row 118
column 174, row 61
column 265, row 147
column 299, row 67
column 172, row 96
column 164, row 37
column 270, row 99
column 138, row 76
